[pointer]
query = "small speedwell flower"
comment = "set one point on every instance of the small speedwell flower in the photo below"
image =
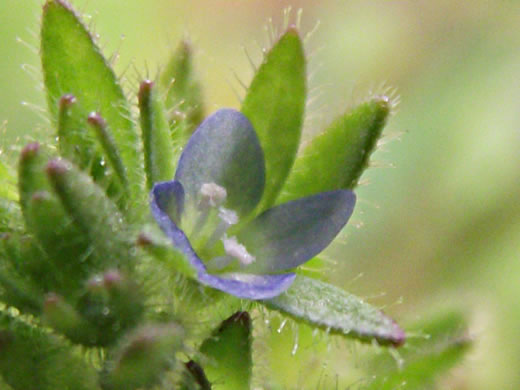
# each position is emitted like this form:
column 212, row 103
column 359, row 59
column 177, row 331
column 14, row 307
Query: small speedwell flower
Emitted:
column 207, row 211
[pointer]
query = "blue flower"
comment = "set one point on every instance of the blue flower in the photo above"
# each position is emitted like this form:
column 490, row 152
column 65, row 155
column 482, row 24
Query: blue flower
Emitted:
column 207, row 212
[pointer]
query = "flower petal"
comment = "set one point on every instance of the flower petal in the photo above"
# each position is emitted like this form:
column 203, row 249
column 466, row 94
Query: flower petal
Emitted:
column 224, row 150
column 292, row 233
column 249, row 286
column 167, row 203
column 169, row 196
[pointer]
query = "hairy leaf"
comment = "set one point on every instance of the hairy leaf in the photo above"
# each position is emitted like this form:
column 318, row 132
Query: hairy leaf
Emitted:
column 226, row 355
column 275, row 103
column 158, row 146
column 337, row 158
column 323, row 305
column 183, row 92
column 32, row 358
column 73, row 65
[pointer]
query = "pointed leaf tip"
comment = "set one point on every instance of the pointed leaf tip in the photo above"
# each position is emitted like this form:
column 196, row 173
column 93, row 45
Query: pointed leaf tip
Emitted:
column 275, row 105
column 73, row 64
column 328, row 307
column 337, row 158
column 241, row 317
column 228, row 361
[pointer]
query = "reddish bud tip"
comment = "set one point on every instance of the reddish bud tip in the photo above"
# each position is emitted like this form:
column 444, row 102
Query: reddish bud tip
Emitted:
column 40, row 196
column 30, row 150
column 95, row 119
column 145, row 89
column 112, row 278
column 399, row 338
column 143, row 240
column 67, row 100
column 51, row 300
column 57, row 167
column 292, row 29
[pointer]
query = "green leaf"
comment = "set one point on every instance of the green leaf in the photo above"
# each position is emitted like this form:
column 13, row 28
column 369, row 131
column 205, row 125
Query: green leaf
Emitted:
column 32, row 358
column 31, row 175
column 183, row 92
column 94, row 214
column 61, row 243
column 24, row 272
column 422, row 372
column 337, row 158
column 107, row 142
column 226, row 355
column 75, row 141
column 440, row 342
column 65, row 319
column 73, row 64
column 143, row 357
column 159, row 156
column 275, row 103
column 153, row 241
column 325, row 306
column 15, row 288
column 41, row 209
column 194, row 377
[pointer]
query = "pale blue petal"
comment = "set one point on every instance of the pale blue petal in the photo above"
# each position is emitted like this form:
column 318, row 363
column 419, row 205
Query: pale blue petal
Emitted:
column 290, row 234
column 224, row 150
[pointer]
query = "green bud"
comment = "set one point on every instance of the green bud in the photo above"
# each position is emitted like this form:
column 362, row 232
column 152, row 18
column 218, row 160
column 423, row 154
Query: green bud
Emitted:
column 93, row 213
column 183, row 91
column 111, row 304
column 158, row 147
column 144, row 356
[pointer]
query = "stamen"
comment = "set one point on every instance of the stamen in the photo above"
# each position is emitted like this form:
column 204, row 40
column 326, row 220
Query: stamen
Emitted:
column 211, row 196
column 234, row 249
column 227, row 218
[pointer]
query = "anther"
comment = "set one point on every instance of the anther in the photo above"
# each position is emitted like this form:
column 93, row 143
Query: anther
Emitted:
column 227, row 218
column 234, row 249
column 212, row 195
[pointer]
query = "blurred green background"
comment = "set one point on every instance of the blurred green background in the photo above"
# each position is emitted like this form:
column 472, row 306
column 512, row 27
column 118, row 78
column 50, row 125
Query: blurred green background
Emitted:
column 439, row 230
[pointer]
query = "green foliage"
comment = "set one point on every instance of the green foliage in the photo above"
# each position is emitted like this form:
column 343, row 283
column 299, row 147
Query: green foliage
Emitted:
column 143, row 356
column 73, row 65
column 33, row 358
column 93, row 213
column 337, row 158
column 443, row 344
column 157, row 144
column 226, row 355
column 183, row 92
column 96, row 298
column 275, row 103
column 335, row 310
column 156, row 244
